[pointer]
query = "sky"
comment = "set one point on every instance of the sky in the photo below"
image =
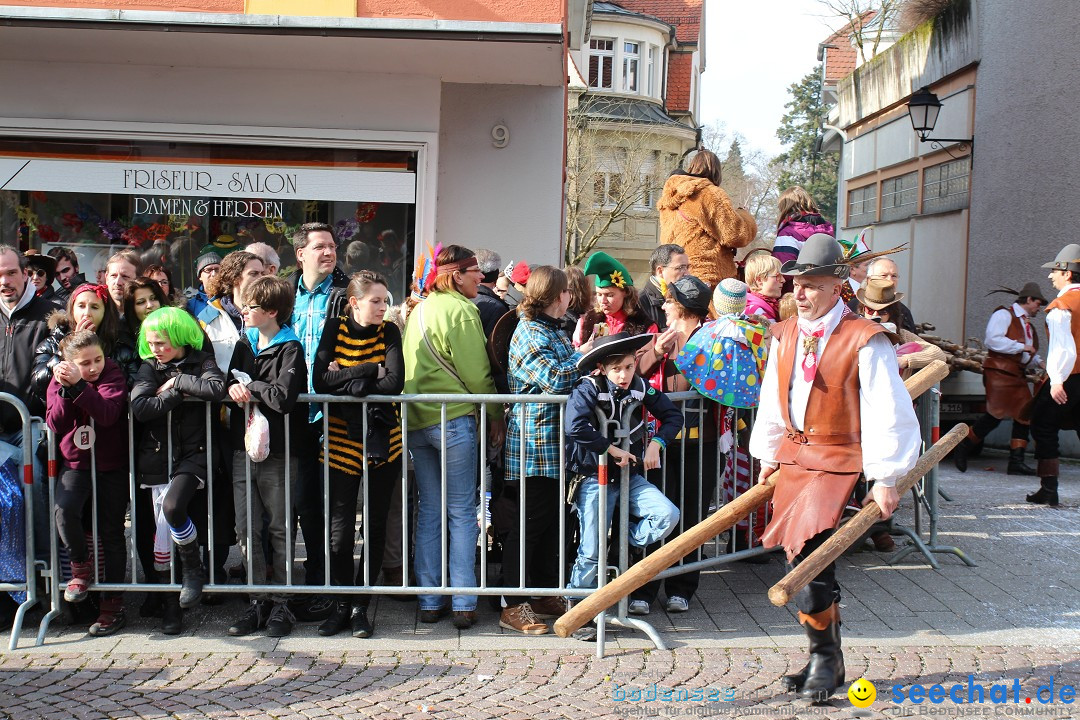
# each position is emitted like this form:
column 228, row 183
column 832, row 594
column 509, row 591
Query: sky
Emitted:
column 755, row 49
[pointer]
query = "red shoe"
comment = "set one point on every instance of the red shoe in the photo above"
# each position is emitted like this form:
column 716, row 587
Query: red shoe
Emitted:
column 78, row 586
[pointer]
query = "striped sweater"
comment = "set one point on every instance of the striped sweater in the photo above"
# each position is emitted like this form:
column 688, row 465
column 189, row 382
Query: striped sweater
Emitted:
column 359, row 351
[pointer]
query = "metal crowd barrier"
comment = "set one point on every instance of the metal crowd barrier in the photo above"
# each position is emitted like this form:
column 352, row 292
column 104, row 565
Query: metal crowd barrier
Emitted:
column 714, row 554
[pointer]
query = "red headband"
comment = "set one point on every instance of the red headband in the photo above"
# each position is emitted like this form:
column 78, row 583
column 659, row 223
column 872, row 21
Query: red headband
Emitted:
column 447, row 268
column 100, row 290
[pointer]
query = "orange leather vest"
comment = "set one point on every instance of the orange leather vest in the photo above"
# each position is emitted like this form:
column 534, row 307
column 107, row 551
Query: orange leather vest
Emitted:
column 1010, row 363
column 830, row 440
column 1070, row 301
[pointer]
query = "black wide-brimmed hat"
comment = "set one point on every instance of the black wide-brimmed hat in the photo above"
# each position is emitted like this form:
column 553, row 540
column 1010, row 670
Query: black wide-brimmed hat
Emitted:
column 43, row 262
column 1067, row 259
column 604, row 347
column 821, row 254
column 692, row 294
column 499, row 342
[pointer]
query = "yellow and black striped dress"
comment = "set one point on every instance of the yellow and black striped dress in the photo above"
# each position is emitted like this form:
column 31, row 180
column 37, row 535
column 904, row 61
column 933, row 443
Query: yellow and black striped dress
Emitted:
column 355, row 344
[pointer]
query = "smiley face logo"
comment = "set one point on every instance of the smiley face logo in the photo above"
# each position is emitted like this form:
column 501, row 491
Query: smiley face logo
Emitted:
column 862, row 693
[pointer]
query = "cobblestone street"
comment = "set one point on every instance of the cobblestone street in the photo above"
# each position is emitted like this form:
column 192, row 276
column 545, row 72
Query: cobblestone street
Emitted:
column 1014, row 616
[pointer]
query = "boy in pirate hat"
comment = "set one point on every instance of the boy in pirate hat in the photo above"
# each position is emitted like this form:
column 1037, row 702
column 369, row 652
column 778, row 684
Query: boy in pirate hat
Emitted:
column 1058, row 399
column 1011, row 348
column 829, row 375
column 614, row 386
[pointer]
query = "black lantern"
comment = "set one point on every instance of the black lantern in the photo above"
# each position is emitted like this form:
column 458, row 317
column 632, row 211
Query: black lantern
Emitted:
column 923, row 108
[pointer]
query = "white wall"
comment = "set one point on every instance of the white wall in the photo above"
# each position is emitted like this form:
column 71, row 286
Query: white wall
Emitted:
column 181, row 95
column 506, row 199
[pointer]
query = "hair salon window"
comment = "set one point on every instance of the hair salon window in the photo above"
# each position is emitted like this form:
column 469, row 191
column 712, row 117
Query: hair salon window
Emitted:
column 170, row 201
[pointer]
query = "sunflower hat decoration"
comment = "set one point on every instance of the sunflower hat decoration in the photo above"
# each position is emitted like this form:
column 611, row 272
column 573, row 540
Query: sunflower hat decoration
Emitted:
column 609, row 272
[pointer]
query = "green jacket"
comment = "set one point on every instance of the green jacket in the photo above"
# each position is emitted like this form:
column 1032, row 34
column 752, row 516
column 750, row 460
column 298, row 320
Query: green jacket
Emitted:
column 453, row 326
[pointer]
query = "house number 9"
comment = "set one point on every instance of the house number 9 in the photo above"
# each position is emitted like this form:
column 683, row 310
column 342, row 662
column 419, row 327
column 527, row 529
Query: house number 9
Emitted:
column 500, row 136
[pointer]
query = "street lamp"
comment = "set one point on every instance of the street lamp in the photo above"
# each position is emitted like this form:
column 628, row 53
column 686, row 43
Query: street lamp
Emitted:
column 923, row 109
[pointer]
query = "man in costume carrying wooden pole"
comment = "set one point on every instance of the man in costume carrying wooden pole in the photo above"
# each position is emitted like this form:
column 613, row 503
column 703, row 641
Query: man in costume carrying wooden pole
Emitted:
column 830, row 374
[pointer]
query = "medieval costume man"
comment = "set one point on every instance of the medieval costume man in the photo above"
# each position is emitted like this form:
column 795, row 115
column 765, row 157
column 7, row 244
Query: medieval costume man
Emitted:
column 1058, row 399
column 830, row 374
column 1011, row 349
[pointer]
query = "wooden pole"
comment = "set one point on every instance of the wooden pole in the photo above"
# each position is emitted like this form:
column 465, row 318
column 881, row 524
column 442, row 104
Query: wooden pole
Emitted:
column 782, row 592
column 722, row 520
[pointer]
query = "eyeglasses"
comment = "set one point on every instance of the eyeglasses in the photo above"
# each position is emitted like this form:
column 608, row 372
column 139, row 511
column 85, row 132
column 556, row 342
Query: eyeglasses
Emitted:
column 252, row 307
column 875, row 311
column 36, row 272
column 680, row 268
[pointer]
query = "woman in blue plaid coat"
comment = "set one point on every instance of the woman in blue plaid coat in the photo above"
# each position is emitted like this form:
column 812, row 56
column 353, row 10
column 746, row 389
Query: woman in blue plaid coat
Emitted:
column 542, row 362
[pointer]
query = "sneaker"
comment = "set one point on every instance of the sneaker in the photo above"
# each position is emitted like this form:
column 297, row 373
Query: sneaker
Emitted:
column 314, row 608
column 638, row 607
column 585, row 633
column 677, row 604
column 254, row 618
column 281, row 620
column 464, row 619
column 520, row 618
column 434, row 616
column 550, row 608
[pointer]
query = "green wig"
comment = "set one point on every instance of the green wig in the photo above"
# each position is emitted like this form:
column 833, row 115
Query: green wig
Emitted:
column 174, row 323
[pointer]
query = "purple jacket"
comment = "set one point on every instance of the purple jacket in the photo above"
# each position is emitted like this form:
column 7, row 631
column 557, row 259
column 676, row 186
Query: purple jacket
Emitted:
column 793, row 233
column 106, row 402
column 768, row 308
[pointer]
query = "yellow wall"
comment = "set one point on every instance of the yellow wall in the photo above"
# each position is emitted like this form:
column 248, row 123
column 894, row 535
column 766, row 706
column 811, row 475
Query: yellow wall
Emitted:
column 312, row 8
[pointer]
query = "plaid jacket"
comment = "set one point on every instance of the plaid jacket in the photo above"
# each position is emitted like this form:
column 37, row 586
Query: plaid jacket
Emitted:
column 542, row 362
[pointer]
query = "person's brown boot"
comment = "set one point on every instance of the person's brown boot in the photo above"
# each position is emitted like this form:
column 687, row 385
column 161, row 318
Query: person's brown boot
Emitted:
column 520, row 618
column 552, row 607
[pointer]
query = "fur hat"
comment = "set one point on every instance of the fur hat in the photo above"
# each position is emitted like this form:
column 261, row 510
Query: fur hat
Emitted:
column 609, row 272
column 729, row 297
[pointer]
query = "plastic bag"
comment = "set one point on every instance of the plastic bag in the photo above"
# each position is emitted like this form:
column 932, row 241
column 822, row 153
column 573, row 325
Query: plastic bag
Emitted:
column 257, row 432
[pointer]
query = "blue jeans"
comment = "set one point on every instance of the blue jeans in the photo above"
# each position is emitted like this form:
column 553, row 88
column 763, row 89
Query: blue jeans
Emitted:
column 425, row 446
column 11, row 444
column 657, row 517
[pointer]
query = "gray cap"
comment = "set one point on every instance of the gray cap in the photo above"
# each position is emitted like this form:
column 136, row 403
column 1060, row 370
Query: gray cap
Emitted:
column 692, row 294
column 821, row 254
column 1067, row 259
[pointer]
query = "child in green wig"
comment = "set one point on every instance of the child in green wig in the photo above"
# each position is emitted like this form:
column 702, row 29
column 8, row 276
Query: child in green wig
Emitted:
column 176, row 367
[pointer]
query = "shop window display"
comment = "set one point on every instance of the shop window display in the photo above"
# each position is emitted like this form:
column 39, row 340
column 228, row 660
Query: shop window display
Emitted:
column 169, row 201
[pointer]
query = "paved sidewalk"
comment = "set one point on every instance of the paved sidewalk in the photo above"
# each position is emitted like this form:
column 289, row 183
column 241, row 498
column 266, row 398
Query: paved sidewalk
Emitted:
column 1014, row 616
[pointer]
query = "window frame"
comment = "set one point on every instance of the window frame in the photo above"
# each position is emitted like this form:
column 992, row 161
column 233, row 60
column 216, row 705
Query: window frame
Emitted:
column 603, row 56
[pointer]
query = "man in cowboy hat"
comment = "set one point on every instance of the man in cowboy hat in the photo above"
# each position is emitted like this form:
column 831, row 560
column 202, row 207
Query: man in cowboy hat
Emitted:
column 1011, row 348
column 1058, row 399
column 809, row 427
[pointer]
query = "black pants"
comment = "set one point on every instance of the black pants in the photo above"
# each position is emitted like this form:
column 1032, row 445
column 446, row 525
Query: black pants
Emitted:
column 987, row 423
column 692, row 499
column 1047, row 418
column 823, row 590
column 308, row 500
column 543, row 503
column 344, row 495
column 74, row 516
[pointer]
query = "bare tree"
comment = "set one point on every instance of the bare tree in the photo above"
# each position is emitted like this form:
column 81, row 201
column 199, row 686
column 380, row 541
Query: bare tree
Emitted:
column 614, row 172
column 868, row 21
column 750, row 177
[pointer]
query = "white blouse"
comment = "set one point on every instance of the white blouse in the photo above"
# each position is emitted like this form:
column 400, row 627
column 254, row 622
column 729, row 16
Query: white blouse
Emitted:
column 1061, row 356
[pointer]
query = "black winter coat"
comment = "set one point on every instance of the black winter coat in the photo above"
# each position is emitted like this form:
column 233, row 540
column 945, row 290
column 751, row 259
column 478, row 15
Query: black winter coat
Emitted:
column 19, row 335
column 197, row 376
column 491, row 308
column 47, row 354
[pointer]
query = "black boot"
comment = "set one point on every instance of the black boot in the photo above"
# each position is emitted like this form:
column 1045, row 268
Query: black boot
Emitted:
column 960, row 454
column 795, row 682
column 825, row 671
column 172, row 617
column 1047, row 494
column 339, row 618
column 193, row 574
column 361, row 626
column 1016, row 464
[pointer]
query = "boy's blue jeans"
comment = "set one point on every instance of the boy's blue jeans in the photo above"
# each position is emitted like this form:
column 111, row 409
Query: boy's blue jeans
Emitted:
column 657, row 518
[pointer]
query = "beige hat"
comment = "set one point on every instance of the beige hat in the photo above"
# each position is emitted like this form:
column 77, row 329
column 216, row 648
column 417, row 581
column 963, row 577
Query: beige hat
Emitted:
column 879, row 294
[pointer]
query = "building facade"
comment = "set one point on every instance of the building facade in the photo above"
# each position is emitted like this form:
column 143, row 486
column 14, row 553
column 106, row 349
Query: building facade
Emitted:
column 403, row 124
column 633, row 109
